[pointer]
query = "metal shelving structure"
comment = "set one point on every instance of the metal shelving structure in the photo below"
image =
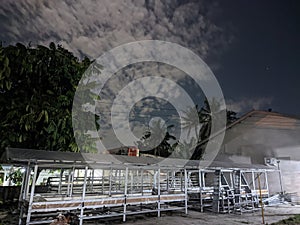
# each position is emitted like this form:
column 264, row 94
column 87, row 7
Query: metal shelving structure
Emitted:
column 91, row 188
column 98, row 186
column 226, row 190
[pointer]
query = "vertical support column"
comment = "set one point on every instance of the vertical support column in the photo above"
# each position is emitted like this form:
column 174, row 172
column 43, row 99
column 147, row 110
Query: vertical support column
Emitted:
column 131, row 182
column 231, row 180
column 203, row 178
column 185, row 191
column 254, row 192
column 137, row 180
column 168, row 181
column 60, row 180
column 142, row 182
column 181, row 182
column 103, row 181
column 83, row 196
column 217, row 191
column 261, row 201
column 27, row 181
column 110, row 182
column 201, row 185
column 69, row 183
column 280, row 176
column 92, row 184
column 22, row 193
column 22, row 187
column 158, row 192
column 125, row 194
column 253, row 180
column 72, row 181
column 120, row 180
column 154, row 178
column 32, row 194
column 267, row 185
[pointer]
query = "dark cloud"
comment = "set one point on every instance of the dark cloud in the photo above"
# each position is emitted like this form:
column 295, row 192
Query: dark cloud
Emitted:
column 91, row 27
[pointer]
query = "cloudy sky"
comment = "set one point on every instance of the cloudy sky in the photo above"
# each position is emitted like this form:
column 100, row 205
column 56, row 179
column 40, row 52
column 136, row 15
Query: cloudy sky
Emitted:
column 252, row 47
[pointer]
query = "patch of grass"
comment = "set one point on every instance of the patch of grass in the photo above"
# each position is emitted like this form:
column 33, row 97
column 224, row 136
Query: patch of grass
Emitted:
column 290, row 221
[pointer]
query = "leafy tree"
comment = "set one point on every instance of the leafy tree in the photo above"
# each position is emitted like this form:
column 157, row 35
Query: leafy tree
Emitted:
column 37, row 86
column 15, row 176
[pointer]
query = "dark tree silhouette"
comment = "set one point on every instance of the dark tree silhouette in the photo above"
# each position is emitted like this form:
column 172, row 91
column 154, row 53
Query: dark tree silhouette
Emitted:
column 156, row 141
column 205, row 118
column 37, row 86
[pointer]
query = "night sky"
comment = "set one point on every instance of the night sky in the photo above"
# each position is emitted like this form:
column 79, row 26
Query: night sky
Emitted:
column 252, row 46
column 263, row 61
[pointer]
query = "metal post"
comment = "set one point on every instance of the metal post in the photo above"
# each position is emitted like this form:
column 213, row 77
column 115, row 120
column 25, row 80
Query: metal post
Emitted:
column 118, row 175
column 185, row 192
column 27, row 182
column 267, row 184
column 22, row 187
column 158, row 192
column 110, row 183
column 21, row 196
column 103, row 181
column 261, row 200
column 125, row 193
column 142, row 182
column 201, row 185
column 93, row 176
column 199, row 179
column 72, row 181
column 181, row 189
column 280, row 176
column 168, row 177
column 231, row 179
column 131, row 182
column 32, row 194
column 83, row 196
column 69, row 183
column 60, row 180
column 253, row 180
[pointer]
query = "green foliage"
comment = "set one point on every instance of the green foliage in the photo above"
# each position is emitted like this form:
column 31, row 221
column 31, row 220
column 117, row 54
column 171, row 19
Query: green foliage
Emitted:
column 16, row 176
column 292, row 221
column 37, row 86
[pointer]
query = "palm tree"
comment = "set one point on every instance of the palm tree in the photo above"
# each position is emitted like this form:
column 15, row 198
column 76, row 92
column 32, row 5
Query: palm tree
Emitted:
column 205, row 117
column 191, row 121
column 184, row 150
column 156, row 140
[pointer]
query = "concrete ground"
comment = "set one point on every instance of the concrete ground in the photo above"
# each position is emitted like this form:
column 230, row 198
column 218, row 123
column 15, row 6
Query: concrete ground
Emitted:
column 272, row 214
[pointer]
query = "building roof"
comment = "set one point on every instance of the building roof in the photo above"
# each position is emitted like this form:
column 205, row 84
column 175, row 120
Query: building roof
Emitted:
column 51, row 159
column 268, row 120
column 262, row 119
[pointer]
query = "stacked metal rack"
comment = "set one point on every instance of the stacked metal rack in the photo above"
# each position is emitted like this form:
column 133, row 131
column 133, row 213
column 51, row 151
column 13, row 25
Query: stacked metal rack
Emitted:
column 227, row 190
column 97, row 186
column 91, row 188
